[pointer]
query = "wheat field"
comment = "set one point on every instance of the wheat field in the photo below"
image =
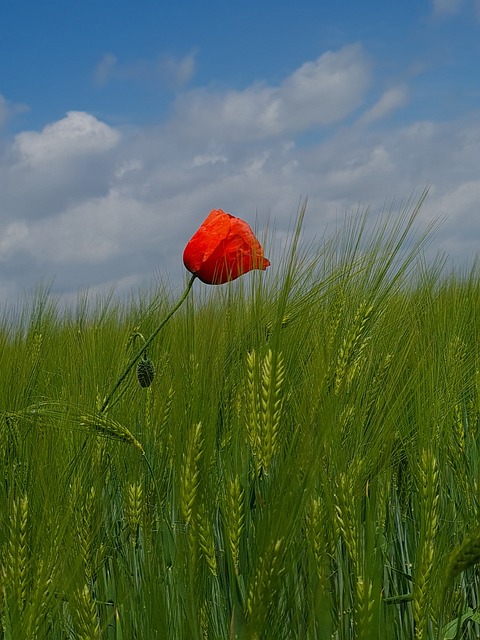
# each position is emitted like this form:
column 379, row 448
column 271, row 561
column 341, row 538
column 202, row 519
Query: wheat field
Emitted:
column 304, row 464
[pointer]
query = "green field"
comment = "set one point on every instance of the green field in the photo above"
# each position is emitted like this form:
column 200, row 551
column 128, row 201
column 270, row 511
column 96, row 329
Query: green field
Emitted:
column 304, row 465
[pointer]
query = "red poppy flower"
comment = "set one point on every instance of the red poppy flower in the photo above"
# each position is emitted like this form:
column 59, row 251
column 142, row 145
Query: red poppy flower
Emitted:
column 223, row 248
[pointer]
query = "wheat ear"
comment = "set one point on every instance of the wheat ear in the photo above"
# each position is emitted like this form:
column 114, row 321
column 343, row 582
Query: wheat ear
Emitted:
column 261, row 593
column 84, row 613
column 17, row 563
column 134, row 509
column 464, row 556
column 352, row 348
column 429, row 496
column 264, row 406
column 189, row 477
column 109, row 428
column 205, row 538
column 235, row 518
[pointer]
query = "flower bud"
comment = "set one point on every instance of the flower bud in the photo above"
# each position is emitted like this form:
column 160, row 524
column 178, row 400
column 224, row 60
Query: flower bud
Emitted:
column 145, row 372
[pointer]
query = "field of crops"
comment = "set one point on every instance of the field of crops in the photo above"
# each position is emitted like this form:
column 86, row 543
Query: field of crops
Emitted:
column 305, row 463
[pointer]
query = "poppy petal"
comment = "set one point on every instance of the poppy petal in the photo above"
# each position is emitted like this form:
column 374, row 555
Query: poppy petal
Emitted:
column 223, row 248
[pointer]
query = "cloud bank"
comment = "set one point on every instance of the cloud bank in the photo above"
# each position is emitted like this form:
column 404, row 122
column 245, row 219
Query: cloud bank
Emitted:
column 90, row 204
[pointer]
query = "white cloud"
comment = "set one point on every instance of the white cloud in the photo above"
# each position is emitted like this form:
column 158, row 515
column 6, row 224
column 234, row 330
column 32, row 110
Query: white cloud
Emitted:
column 319, row 93
column 392, row 99
column 208, row 158
column 13, row 235
column 89, row 233
column 171, row 71
column 327, row 90
column 447, row 7
column 77, row 134
column 176, row 72
column 69, row 161
column 104, row 69
column 370, row 162
column 9, row 109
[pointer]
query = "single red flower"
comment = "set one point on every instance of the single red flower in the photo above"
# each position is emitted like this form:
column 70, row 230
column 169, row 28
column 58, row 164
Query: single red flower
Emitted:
column 223, row 248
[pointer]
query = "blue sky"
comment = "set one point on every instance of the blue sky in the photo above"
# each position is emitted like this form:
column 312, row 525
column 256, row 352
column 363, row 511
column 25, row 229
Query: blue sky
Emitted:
column 122, row 124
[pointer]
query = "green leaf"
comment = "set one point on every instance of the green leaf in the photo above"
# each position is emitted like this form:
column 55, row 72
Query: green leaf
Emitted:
column 450, row 630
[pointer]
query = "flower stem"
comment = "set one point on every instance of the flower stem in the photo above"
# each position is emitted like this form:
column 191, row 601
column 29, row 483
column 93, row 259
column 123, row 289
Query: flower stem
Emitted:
column 149, row 340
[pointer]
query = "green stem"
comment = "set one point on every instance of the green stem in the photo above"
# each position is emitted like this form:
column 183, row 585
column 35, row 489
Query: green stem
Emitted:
column 132, row 362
